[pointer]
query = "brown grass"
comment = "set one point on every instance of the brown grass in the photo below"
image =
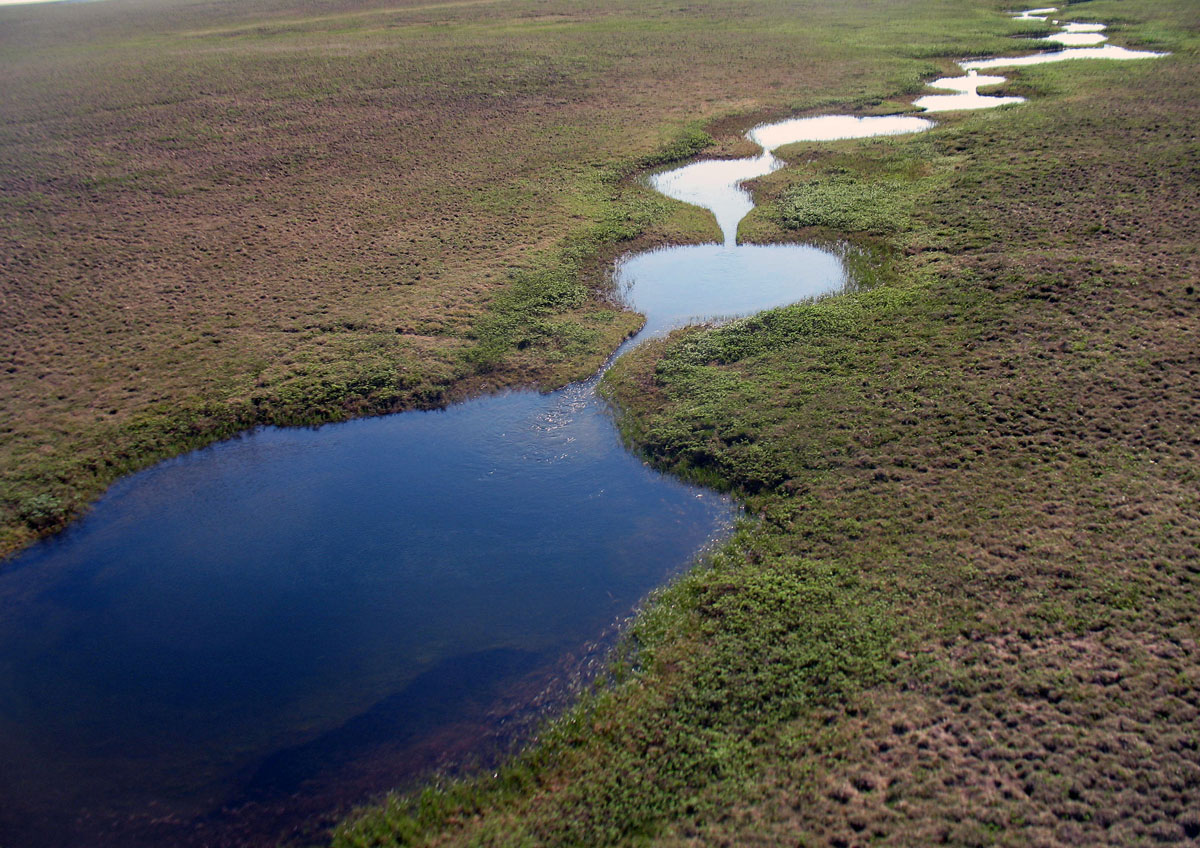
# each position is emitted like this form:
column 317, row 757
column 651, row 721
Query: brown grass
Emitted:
column 216, row 215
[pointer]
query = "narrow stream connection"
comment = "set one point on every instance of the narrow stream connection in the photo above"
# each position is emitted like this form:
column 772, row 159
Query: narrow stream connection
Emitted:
column 289, row 621
column 259, row 625
column 1072, row 35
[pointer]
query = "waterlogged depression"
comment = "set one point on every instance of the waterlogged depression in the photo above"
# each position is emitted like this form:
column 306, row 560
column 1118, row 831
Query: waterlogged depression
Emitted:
column 258, row 633
column 716, row 184
column 968, row 96
column 1076, row 36
column 231, row 634
column 1107, row 51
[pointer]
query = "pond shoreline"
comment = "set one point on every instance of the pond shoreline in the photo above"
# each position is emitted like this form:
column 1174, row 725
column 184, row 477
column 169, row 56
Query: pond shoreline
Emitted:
column 700, row 396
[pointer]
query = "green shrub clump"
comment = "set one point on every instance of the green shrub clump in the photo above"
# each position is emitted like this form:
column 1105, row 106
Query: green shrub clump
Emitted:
column 845, row 203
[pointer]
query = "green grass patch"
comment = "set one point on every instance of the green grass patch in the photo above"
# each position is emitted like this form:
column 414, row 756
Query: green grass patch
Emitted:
column 847, row 204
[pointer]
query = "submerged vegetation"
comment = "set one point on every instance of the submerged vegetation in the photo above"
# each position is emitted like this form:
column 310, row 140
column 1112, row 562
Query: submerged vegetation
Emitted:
column 966, row 611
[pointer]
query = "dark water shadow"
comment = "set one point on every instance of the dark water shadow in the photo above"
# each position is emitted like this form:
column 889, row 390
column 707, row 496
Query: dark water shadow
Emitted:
column 456, row 690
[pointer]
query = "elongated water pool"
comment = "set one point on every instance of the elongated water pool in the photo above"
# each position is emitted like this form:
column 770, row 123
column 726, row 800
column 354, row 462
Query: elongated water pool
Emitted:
column 228, row 637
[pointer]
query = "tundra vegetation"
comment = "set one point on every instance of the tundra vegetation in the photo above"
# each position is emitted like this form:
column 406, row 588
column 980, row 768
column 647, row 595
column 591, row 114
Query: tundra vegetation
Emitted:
column 966, row 611
column 218, row 215
column 966, row 608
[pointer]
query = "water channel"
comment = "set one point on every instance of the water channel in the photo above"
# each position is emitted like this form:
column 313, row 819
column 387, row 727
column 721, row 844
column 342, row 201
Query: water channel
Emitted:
column 286, row 622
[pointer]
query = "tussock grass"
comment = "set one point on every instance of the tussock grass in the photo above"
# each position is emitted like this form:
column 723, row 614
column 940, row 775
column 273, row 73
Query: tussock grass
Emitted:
column 966, row 611
column 847, row 204
column 216, row 216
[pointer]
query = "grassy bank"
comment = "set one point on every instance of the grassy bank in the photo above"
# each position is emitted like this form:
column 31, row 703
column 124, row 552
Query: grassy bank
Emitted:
column 967, row 611
column 217, row 215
